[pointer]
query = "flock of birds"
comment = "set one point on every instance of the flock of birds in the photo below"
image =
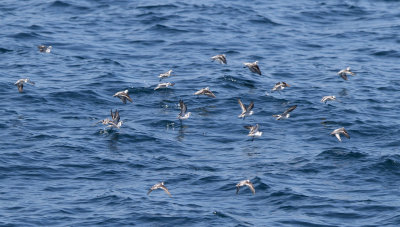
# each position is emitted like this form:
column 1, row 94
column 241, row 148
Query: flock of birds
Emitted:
column 116, row 122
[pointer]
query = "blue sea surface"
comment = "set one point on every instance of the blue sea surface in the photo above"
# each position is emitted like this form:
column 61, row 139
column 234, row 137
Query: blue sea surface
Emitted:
column 59, row 169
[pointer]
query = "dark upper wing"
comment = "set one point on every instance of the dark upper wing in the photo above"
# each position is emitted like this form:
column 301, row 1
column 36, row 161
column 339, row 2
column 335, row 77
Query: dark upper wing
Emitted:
column 257, row 69
column 223, row 59
column 183, row 107
column 290, row 109
column 20, row 87
column 250, row 107
column 343, row 75
column 346, row 134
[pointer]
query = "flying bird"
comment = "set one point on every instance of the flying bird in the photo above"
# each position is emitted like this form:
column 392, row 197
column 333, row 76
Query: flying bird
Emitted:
column 20, row 84
column 254, row 132
column 164, row 85
column 328, row 98
column 205, row 91
column 221, row 58
column 157, row 186
column 339, row 131
column 285, row 114
column 183, row 115
column 165, row 75
column 245, row 111
column 123, row 95
column 245, row 183
column 279, row 86
column 344, row 72
column 44, row 49
column 253, row 67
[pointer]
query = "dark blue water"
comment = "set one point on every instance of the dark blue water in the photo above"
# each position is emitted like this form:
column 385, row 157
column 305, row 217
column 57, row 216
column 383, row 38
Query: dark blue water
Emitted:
column 57, row 169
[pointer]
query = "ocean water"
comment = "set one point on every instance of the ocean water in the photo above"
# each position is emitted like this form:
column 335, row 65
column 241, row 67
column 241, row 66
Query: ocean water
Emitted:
column 57, row 169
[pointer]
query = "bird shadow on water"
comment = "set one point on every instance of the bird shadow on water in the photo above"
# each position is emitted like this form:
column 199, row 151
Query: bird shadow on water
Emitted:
column 343, row 92
column 181, row 132
column 113, row 136
column 251, row 148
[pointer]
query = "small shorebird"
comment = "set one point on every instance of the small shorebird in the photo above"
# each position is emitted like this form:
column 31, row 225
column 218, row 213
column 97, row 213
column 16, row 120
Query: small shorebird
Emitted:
column 285, row 114
column 253, row 67
column 44, row 49
column 245, row 183
column 20, row 84
column 328, row 98
column 183, row 115
column 123, row 95
column 337, row 132
column 164, row 85
column 157, row 186
column 279, row 86
column 253, row 131
column 343, row 73
column 165, row 75
column 245, row 111
column 205, row 91
column 221, row 58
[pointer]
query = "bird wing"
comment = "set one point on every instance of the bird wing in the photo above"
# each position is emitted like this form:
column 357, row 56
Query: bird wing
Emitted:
column 199, row 92
column 128, row 97
column 20, row 87
column 237, row 189
column 249, row 127
column 250, row 107
column 251, row 186
column 346, row 134
column 338, row 137
column 166, row 190
column 112, row 114
column 256, row 69
column 150, row 190
column 183, row 108
column 343, row 75
column 222, row 58
column 116, row 117
column 242, row 106
column 289, row 110
column 209, row 93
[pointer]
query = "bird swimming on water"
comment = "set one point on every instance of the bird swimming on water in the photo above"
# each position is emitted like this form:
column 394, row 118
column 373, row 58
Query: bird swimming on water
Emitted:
column 344, row 72
column 245, row 183
column 328, row 98
column 44, row 49
column 164, row 85
column 123, row 95
column 157, row 186
column 183, row 115
column 280, row 86
column 339, row 131
column 20, row 84
column 253, row 67
column 165, row 75
column 221, row 58
column 245, row 111
column 285, row 114
column 205, row 91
